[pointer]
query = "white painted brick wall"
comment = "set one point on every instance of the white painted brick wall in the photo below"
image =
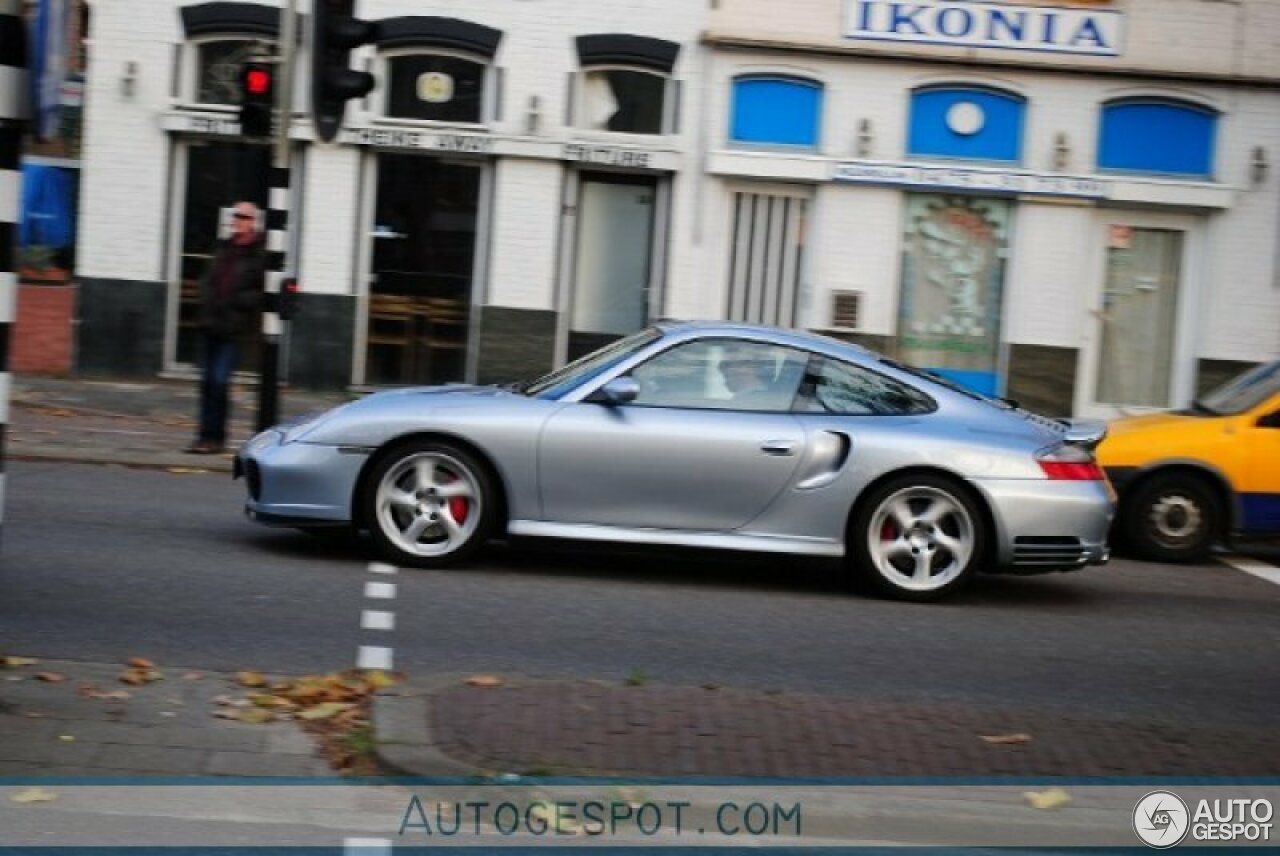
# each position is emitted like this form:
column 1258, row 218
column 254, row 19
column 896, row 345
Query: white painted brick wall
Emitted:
column 526, row 221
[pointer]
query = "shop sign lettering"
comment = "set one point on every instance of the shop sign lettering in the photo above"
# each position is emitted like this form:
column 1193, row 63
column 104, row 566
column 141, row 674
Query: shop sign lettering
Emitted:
column 978, row 181
column 397, row 138
column 608, row 155
column 1055, row 29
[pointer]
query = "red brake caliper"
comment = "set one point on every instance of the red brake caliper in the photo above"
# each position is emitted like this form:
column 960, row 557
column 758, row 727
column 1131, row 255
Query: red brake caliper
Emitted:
column 458, row 506
column 888, row 531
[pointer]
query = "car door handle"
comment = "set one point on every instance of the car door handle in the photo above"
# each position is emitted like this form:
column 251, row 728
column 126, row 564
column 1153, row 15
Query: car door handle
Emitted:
column 778, row 447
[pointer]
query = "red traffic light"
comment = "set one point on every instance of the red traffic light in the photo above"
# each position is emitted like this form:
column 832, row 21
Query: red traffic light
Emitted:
column 257, row 81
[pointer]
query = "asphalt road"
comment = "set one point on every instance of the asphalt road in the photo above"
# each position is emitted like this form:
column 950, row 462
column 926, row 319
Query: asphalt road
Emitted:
column 103, row 563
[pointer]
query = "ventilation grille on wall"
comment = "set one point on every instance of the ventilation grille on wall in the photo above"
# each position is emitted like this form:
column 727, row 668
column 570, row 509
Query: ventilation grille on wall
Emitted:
column 846, row 310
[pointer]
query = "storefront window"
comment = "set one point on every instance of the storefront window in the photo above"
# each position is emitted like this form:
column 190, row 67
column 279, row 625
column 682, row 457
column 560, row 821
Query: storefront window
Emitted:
column 966, row 122
column 435, row 88
column 953, row 281
column 218, row 67
column 1158, row 137
column 776, row 111
column 624, row 100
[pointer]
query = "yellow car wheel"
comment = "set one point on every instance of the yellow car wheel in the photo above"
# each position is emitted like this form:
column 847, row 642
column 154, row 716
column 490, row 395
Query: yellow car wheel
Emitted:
column 1172, row 517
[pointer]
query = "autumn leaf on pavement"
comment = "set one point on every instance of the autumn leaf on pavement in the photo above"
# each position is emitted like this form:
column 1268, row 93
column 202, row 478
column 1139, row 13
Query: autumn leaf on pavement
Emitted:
column 379, row 680
column 485, row 681
column 1018, row 739
column 15, row 662
column 255, row 715
column 1046, row 800
column 251, row 679
column 140, row 663
column 140, row 677
column 193, row 676
column 51, row 677
column 34, row 795
column 327, row 710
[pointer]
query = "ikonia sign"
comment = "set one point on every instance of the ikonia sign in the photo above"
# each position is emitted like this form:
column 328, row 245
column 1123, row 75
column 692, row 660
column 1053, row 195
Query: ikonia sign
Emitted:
column 1058, row 29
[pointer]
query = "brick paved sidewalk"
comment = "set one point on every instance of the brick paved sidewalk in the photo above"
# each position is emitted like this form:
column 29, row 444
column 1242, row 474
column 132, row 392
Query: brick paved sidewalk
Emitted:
column 594, row 728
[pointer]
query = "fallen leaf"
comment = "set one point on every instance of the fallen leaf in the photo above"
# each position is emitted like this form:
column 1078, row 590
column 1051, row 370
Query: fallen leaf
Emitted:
column 167, row 713
column 227, row 713
column 251, row 679
column 379, row 680
column 32, row 714
column 51, row 677
column 140, row 677
column 186, row 471
column 140, row 663
column 67, row 738
column 15, row 662
column 324, row 711
column 114, row 695
column 87, row 690
column 1018, row 739
column 1046, row 800
column 34, row 795
column 255, row 716
column 193, row 676
column 486, row 681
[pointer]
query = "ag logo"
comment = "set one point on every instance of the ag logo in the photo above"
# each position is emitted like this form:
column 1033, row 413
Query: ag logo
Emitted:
column 1161, row 819
column 435, row 87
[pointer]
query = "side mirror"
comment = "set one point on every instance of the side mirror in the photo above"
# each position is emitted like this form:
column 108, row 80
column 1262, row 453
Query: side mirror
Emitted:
column 1271, row 420
column 620, row 390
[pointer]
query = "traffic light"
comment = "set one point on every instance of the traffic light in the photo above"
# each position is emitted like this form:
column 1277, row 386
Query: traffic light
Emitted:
column 334, row 32
column 257, row 98
column 287, row 300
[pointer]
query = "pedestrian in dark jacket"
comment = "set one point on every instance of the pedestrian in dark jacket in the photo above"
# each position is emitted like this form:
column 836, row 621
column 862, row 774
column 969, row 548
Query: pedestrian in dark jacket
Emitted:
column 230, row 304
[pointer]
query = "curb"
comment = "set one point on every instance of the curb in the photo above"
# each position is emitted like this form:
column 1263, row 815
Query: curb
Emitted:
column 206, row 463
column 404, row 743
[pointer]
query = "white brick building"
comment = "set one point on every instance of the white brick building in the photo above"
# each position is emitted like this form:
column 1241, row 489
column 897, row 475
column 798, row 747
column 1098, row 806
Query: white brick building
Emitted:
column 1074, row 204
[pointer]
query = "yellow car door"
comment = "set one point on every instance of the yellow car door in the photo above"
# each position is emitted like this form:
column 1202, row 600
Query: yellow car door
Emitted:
column 1259, row 483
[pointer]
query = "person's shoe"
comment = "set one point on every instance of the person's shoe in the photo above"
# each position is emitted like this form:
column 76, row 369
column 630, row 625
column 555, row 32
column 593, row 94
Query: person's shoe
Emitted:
column 204, row 447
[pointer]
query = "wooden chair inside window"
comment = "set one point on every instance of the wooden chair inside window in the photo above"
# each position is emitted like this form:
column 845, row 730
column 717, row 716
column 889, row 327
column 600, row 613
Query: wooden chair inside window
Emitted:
column 393, row 327
column 443, row 334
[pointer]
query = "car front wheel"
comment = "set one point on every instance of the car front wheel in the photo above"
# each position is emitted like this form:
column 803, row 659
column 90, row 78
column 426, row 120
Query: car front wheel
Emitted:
column 917, row 538
column 1171, row 518
column 429, row 504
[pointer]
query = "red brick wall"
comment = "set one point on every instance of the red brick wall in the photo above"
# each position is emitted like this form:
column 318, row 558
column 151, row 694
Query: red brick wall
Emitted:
column 42, row 330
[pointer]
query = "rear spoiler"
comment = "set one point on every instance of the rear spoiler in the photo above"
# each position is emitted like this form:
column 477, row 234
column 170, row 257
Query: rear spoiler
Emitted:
column 1085, row 433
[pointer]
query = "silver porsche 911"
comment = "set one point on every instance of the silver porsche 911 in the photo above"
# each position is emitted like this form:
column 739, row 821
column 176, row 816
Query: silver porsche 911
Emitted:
column 704, row 435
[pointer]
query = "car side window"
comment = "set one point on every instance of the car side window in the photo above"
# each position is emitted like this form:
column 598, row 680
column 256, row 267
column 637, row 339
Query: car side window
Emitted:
column 836, row 387
column 722, row 374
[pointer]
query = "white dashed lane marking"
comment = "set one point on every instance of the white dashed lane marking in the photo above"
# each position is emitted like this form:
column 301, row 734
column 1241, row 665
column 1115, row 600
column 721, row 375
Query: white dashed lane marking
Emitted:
column 1258, row 568
column 375, row 657
column 377, row 619
column 380, row 591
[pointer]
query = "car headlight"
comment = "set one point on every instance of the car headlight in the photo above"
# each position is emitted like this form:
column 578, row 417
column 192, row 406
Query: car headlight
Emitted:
column 262, row 441
column 296, row 428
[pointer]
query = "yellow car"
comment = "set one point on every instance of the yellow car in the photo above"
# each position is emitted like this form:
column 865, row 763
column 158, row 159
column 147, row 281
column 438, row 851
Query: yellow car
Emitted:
column 1190, row 478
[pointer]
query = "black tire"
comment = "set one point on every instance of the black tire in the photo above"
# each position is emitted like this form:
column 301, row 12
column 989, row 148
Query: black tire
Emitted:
column 1171, row 517
column 391, row 524
column 964, row 524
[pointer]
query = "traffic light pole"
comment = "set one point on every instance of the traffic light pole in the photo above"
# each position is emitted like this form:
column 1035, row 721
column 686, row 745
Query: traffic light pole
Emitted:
column 277, row 223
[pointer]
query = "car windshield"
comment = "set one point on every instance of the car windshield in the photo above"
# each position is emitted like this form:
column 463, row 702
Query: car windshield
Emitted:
column 592, row 365
column 1244, row 392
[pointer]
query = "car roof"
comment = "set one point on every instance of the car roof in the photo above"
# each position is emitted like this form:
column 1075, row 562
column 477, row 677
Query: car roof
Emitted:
column 776, row 335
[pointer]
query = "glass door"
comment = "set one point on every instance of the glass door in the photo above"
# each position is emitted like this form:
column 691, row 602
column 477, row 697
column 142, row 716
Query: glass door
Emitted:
column 422, row 268
column 218, row 174
column 613, row 259
column 1139, row 317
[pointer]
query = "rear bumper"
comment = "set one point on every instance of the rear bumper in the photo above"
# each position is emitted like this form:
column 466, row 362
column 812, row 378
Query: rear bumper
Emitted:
column 1048, row 525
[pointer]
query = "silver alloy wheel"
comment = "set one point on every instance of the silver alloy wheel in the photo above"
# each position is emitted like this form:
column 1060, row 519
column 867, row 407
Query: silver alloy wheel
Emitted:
column 921, row 538
column 428, row 504
column 1175, row 518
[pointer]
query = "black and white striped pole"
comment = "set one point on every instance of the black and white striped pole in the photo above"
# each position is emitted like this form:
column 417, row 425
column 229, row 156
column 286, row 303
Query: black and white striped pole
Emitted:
column 13, row 112
column 279, row 285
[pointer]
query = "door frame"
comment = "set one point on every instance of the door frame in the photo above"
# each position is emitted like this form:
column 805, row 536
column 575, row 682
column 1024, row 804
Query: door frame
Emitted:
column 1190, row 281
column 570, row 232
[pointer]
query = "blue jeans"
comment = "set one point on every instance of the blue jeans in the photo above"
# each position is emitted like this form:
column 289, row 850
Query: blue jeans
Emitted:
column 215, row 404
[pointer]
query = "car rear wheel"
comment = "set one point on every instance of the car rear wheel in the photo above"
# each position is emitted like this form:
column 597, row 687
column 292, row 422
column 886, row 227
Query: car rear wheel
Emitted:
column 1173, row 517
column 917, row 538
column 429, row 504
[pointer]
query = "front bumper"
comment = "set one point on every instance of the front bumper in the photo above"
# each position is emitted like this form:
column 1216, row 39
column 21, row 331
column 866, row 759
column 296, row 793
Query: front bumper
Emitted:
column 298, row 484
column 1049, row 525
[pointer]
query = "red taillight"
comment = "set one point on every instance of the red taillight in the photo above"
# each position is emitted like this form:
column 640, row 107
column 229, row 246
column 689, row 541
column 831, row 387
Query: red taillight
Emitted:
column 1064, row 471
column 1069, row 463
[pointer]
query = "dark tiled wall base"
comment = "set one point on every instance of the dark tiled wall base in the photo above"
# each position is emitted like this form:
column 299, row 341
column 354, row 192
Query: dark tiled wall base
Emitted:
column 515, row 344
column 121, row 327
column 1042, row 378
column 322, row 341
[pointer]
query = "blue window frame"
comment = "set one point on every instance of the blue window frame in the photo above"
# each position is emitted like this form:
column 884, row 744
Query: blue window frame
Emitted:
column 1157, row 136
column 781, row 111
column 966, row 122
